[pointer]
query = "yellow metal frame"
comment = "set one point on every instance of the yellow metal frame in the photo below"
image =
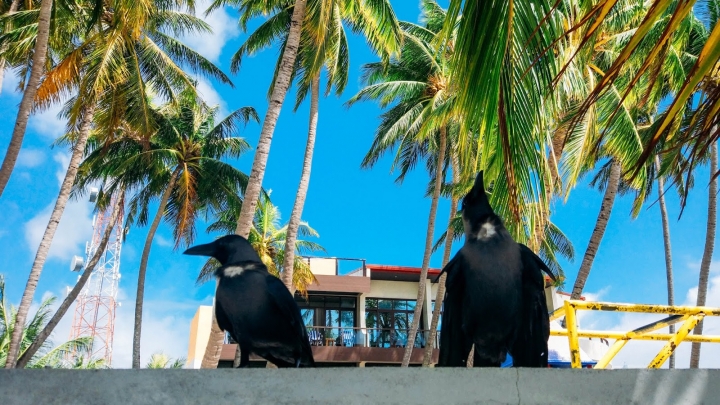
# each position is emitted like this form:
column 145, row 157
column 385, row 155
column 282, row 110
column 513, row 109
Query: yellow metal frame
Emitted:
column 689, row 316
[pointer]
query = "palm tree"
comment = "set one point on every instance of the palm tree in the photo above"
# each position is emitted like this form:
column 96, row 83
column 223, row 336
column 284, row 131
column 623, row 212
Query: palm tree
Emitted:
column 301, row 195
column 39, row 57
column 668, row 248
column 162, row 360
column 440, row 295
column 181, row 164
column 707, row 252
column 619, row 115
column 248, row 10
column 11, row 9
column 268, row 238
column 611, row 190
column 47, row 356
column 480, row 60
column 417, row 82
column 281, row 83
column 323, row 43
column 142, row 55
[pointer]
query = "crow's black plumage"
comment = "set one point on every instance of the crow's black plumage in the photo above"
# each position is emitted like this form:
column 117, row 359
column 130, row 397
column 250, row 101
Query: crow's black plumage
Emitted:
column 254, row 306
column 494, row 294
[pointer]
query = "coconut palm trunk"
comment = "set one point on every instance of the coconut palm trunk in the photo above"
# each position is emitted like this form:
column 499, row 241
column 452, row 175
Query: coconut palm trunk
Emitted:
column 26, row 104
column 294, row 224
column 252, row 192
column 707, row 254
column 412, row 333
column 42, row 252
column 68, row 301
column 282, row 83
column 440, row 296
column 600, row 225
column 143, row 267
column 668, row 249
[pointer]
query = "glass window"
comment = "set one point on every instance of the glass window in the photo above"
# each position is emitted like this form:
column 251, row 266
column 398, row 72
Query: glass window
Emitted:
column 388, row 322
column 439, row 325
column 348, row 302
column 328, row 317
column 308, row 316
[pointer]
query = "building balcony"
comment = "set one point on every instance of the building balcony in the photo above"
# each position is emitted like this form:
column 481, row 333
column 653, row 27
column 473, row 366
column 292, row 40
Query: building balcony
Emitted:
column 333, row 346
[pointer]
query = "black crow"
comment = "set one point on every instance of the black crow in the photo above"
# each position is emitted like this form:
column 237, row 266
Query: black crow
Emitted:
column 495, row 296
column 254, row 306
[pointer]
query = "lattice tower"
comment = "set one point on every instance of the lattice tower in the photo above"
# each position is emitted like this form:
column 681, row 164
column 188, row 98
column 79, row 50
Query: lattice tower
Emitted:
column 96, row 304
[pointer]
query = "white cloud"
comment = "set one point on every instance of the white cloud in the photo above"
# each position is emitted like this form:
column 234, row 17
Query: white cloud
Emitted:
column 211, row 97
column 47, row 123
column 30, row 157
column 75, row 226
column 161, row 241
column 638, row 354
column 63, row 159
column 694, row 266
column 224, row 28
column 163, row 330
column 9, row 83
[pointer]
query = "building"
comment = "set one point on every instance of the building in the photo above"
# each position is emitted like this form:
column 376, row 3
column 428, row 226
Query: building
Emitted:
column 357, row 315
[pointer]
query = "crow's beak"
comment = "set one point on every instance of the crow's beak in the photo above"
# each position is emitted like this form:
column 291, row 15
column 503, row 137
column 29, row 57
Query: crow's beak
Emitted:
column 207, row 249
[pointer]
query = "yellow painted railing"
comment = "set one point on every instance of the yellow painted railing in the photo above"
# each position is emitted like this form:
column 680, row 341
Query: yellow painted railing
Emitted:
column 689, row 316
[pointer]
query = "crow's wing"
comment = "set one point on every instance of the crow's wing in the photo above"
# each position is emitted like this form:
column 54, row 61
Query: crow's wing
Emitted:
column 453, row 351
column 223, row 321
column 285, row 302
column 530, row 348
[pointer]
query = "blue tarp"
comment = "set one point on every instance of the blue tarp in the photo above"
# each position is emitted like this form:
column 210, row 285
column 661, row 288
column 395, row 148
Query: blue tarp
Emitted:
column 553, row 363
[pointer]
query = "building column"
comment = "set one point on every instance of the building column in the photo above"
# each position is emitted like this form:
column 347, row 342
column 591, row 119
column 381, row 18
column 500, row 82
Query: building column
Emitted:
column 361, row 336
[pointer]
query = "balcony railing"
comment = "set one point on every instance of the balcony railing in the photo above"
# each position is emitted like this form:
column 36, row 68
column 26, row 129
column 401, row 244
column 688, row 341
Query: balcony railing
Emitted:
column 363, row 337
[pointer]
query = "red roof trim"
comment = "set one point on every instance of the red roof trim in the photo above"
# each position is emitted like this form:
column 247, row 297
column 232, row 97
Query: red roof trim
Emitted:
column 399, row 269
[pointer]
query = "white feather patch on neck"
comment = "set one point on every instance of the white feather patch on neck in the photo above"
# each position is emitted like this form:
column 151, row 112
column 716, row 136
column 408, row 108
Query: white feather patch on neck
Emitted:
column 232, row 271
column 487, row 231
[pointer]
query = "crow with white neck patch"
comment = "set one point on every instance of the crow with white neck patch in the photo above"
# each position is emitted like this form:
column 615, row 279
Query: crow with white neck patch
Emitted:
column 254, row 306
column 494, row 294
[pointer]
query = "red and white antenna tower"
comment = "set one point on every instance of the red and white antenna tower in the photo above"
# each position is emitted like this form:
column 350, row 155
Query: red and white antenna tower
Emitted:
column 96, row 304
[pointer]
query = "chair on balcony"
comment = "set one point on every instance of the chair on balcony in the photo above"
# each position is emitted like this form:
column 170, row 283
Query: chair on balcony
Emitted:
column 314, row 337
column 348, row 338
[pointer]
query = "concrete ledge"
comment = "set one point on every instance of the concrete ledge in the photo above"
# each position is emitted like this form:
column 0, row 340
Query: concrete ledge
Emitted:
column 359, row 386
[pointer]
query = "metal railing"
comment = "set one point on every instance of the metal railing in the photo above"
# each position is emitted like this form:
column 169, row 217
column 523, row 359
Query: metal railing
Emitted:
column 690, row 316
column 362, row 337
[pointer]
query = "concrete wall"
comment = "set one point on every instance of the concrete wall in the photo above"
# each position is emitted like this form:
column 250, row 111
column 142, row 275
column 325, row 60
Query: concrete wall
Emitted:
column 199, row 335
column 359, row 386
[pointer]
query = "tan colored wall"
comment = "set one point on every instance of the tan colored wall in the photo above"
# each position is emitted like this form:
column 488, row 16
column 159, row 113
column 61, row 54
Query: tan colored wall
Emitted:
column 323, row 266
column 199, row 336
column 396, row 289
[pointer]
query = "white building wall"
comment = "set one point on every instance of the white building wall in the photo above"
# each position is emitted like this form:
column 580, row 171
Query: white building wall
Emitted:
column 398, row 289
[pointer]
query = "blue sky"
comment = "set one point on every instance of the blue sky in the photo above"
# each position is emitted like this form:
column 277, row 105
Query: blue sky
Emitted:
column 358, row 213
